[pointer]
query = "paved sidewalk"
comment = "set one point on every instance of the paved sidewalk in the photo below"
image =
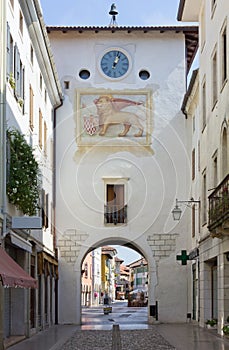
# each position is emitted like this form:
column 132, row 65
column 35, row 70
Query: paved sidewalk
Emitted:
column 192, row 337
column 51, row 339
column 135, row 332
column 179, row 336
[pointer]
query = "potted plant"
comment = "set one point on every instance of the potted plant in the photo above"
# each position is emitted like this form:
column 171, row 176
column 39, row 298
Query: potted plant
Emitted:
column 211, row 323
column 20, row 102
column 12, row 80
column 225, row 328
column 23, row 185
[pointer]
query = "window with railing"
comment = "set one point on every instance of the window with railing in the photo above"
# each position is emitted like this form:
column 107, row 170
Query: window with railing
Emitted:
column 115, row 210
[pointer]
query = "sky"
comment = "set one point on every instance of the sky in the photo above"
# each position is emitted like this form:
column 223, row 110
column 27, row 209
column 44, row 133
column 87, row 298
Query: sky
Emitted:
column 96, row 12
column 126, row 254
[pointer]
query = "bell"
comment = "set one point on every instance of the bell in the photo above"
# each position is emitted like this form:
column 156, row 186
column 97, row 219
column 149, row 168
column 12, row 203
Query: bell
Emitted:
column 113, row 11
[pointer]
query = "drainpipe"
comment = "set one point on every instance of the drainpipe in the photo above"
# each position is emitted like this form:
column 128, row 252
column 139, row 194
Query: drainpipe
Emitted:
column 3, row 149
column 54, row 207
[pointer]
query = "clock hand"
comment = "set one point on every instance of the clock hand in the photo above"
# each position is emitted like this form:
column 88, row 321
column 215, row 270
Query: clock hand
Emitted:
column 116, row 60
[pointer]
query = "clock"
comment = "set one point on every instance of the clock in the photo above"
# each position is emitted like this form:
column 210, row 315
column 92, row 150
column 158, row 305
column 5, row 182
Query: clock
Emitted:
column 114, row 64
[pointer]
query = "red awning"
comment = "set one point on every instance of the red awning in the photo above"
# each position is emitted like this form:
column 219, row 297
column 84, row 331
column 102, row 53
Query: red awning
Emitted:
column 12, row 274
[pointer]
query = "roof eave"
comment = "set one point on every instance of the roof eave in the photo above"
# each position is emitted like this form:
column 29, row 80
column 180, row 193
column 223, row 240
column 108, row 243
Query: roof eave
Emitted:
column 188, row 10
column 127, row 29
column 38, row 34
column 190, row 33
column 193, row 80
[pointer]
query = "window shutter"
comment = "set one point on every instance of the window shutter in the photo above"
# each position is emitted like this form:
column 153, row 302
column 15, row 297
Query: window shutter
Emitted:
column 43, row 207
column 31, row 107
column 8, row 50
column 22, row 87
column 46, row 210
column 193, row 164
column 22, row 92
column 17, row 71
column 40, row 137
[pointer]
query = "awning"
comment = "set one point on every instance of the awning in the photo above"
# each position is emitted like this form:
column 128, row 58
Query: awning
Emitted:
column 12, row 274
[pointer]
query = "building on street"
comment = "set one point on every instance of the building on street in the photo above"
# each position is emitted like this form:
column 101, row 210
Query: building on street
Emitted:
column 124, row 129
column 30, row 92
column 108, row 272
column 205, row 106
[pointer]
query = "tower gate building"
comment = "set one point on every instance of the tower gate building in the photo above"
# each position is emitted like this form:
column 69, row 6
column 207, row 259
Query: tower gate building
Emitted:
column 121, row 155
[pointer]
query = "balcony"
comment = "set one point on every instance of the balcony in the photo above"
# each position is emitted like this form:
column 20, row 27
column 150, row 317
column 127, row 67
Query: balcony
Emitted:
column 218, row 223
column 115, row 214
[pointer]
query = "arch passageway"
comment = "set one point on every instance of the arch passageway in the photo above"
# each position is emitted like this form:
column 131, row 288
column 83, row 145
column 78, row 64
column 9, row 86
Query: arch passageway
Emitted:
column 126, row 317
column 99, row 278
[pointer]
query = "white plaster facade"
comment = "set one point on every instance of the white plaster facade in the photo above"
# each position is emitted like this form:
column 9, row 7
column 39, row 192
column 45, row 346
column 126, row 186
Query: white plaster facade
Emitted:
column 153, row 174
column 208, row 103
column 24, row 40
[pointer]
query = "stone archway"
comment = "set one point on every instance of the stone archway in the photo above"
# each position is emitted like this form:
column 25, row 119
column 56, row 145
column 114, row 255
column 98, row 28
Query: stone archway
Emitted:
column 73, row 249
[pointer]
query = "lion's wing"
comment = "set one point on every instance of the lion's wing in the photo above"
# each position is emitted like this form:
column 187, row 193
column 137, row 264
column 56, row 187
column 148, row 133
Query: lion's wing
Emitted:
column 119, row 103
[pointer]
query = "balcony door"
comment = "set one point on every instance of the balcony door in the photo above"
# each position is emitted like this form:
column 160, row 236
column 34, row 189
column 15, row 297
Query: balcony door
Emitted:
column 115, row 204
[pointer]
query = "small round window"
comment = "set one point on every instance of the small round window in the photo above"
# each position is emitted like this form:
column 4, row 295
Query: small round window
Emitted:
column 144, row 74
column 84, row 74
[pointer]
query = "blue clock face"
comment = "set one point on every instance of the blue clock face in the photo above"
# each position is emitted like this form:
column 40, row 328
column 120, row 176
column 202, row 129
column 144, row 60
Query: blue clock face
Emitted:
column 114, row 64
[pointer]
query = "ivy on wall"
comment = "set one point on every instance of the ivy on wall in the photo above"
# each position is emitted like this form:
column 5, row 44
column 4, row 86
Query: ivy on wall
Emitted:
column 23, row 188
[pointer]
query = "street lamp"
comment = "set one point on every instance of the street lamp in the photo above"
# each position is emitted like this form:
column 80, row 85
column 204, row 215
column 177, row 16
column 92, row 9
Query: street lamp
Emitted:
column 177, row 210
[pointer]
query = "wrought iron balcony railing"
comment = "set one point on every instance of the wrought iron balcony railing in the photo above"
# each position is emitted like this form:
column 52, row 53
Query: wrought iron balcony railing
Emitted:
column 115, row 214
column 219, row 205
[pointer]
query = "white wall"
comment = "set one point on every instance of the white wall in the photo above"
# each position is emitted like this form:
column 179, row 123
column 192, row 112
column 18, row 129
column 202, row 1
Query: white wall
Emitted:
column 155, row 175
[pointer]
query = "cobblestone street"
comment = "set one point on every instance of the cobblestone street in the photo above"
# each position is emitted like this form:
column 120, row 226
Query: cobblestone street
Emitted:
column 130, row 340
column 135, row 333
